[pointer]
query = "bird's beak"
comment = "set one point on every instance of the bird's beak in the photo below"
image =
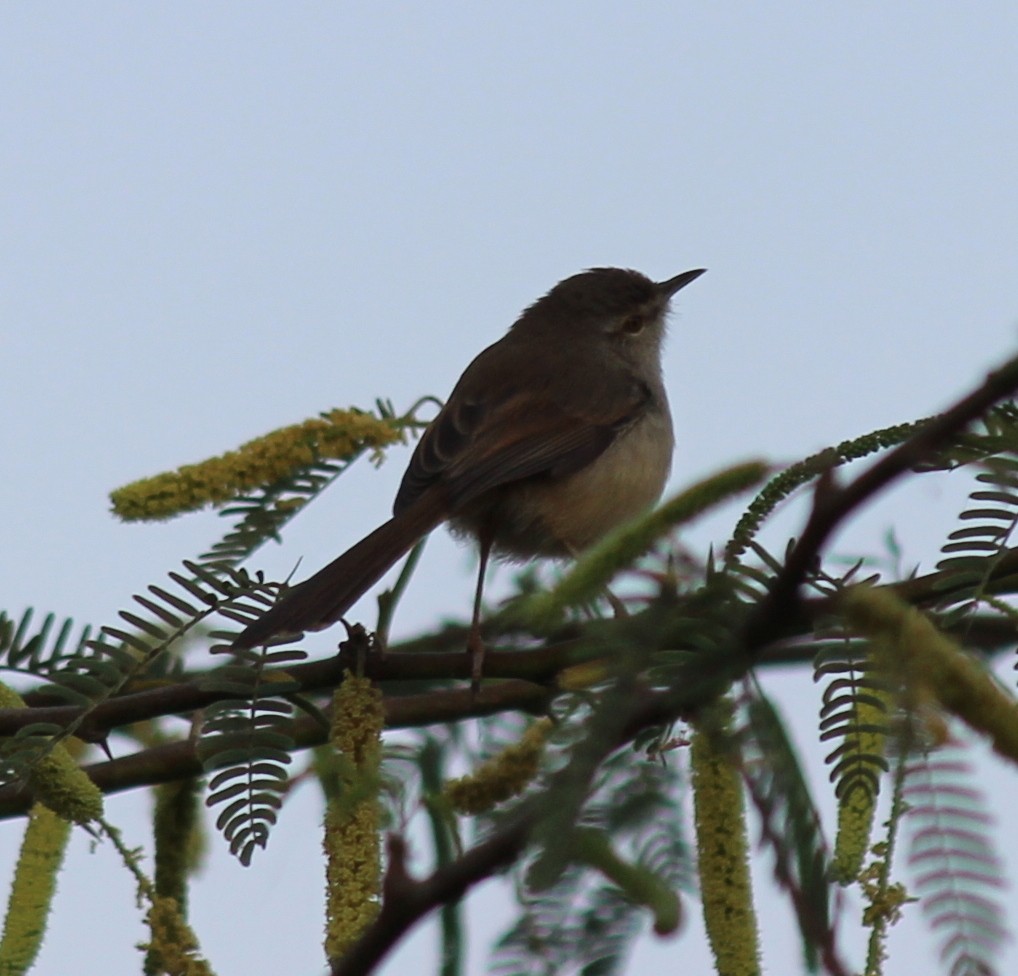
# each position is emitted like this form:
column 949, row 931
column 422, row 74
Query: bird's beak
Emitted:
column 672, row 285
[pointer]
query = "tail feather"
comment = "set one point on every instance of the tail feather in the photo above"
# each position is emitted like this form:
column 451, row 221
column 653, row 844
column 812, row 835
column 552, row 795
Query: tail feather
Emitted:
column 323, row 598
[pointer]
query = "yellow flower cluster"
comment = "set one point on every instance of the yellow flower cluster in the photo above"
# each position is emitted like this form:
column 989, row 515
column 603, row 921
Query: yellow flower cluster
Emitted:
column 723, row 857
column 179, row 839
column 339, row 435
column 503, row 776
column 57, row 781
column 173, row 942
column 353, row 819
column 885, row 901
column 42, row 853
column 352, row 873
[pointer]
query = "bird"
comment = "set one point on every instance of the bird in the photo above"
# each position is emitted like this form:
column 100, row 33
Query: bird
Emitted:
column 553, row 436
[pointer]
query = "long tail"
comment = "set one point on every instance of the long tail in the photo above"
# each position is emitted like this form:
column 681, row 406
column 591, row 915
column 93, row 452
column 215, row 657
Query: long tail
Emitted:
column 323, row 598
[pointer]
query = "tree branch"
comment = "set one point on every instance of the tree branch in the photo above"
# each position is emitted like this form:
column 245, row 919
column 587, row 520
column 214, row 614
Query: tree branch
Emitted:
column 537, row 666
column 418, row 660
column 831, row 504
column 179, row 760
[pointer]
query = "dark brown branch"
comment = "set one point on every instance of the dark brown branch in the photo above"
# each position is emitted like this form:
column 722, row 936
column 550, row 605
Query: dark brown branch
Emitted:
column 170, row 762
column 832, row 504
column 179, row 760
column 539, row 665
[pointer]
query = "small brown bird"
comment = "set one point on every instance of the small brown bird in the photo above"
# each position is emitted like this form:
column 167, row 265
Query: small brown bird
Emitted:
column 553, row 436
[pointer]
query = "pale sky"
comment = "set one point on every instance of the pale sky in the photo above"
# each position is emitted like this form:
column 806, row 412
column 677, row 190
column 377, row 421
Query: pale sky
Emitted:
column 221, row 218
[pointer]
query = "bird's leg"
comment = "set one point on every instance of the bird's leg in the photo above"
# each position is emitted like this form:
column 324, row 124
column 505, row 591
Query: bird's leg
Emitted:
column 475, row 643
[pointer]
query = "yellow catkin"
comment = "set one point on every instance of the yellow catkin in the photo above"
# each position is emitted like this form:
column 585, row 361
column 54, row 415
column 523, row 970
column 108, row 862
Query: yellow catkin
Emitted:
column 857, row 803
column 35, row 881
column 353, row 818
column 933, row 666
column 59, row 782
column 174, row 825
column 56, row 780
column 723, row 857
column 173, row 944
column 338, row 435
column 503, row 776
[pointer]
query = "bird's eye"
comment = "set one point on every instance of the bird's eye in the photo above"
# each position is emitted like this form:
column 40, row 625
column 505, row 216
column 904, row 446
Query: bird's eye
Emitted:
column 633, row 325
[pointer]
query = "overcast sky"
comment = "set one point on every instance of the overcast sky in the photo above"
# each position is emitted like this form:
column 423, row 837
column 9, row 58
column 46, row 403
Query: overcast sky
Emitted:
column 220, row 218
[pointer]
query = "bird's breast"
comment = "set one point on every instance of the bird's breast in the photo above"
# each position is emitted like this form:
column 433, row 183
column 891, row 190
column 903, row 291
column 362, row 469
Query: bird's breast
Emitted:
column 624, row 481
column 561, row 517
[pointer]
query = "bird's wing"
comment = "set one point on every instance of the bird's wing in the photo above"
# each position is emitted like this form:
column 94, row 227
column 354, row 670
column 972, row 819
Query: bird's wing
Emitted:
column 491, row 433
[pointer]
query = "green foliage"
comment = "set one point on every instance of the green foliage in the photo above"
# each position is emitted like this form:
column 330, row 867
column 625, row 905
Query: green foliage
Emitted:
column 107, row 662
column 22, row 751
column 261, row 515
column 973, row 552
column 246, row 743
column 577, row 926
column 956, row 869
column 35, row 652
column 605, row 781
column 782, row 485
column 582, row 923
column 98, row 668
column 851, row 680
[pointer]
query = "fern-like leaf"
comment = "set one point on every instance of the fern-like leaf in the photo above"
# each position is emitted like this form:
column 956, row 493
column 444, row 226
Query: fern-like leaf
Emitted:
column 26, row 747
column 37, row 651
column 854, row 713
column 261, row 515
column 246, row 741
column 539, row 940
column 704, row 634
column 996, row 433
column 954, row 862
column 782, row 485
column 99, row 667
column 104, row 664
column 577, row 925
column 853, row 695
column 581, row 924
column 972, row 551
